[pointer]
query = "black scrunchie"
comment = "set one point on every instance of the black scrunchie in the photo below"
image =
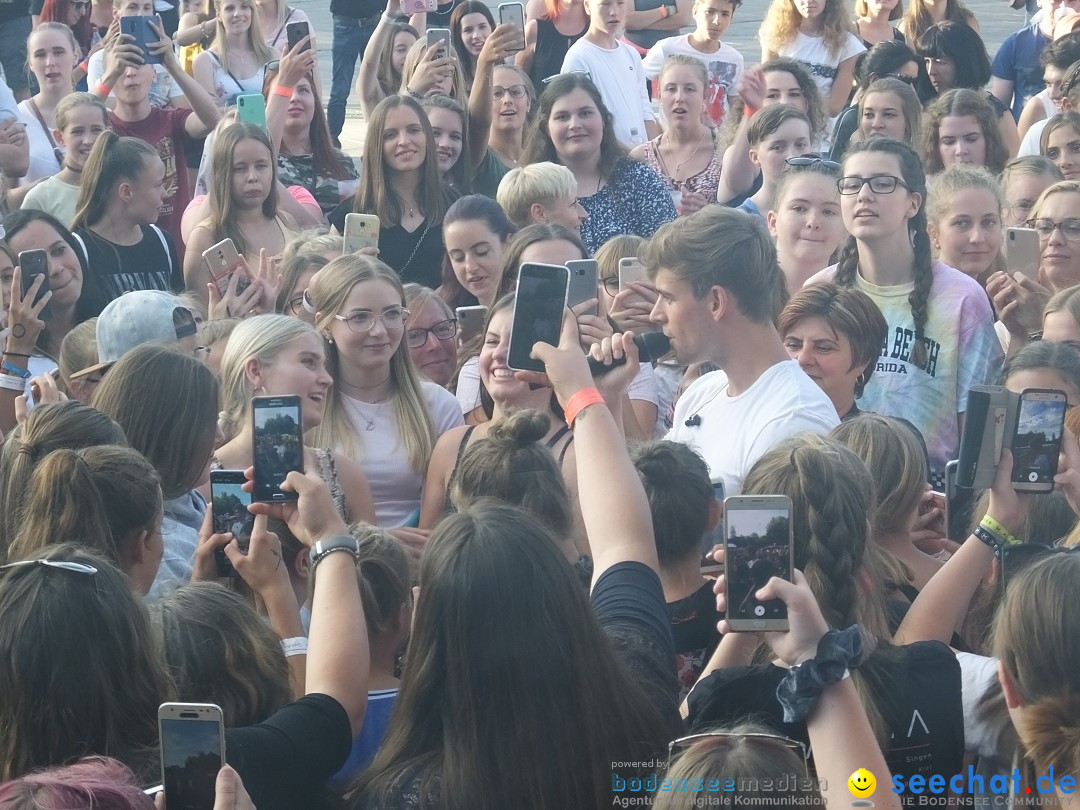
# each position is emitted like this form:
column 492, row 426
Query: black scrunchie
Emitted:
column 837, row 652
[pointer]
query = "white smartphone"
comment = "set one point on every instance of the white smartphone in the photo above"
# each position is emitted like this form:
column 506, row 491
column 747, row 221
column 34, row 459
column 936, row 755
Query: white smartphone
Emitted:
column 583, row 273
column 1022, row 251
column 757, row 547
column 514, row 14
column 630, row 272
column 361, row 231
column 192, row 752
column 440, row 35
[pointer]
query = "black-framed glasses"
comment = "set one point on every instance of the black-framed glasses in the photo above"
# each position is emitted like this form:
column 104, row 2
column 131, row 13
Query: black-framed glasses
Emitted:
column 295, row 305
column 1017, row 558
column 443, row 330
column 63, row 565
column 1070, row 228
column 879, row 184
column 393, row 318
column 795, row 746
column 514, row 90
column 803, row 161
column 610, row 285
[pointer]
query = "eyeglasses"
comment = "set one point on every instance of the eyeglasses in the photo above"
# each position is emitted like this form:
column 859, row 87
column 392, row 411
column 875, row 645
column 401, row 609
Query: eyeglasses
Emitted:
column 294, row 305
column 1070, row 228
column 550, row 79
column 812, row 160
column 879, row 184
column 796, row 747
column 1017, row 558
column 63, row 565
column 515, row 91
column 611, row 285
column 908, row 80
column 443, row 330
column 202, row 352
column 393, row 318
column 273, row 65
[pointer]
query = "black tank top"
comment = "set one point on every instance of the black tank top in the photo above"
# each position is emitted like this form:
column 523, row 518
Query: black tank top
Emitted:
column 551, row 48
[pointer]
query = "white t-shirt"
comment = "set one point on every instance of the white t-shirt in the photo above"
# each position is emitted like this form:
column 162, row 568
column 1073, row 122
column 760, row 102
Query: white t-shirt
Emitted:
column 724, row 68
column 43, row 162
column 731, row 433
column 813, row 54
column 977, row 674
column 162, row 90
column 396, row 486
column 619, row 76
column 1029, row 144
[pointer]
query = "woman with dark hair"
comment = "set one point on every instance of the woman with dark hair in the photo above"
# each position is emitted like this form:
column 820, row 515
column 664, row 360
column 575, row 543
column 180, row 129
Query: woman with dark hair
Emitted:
column 471, row 23
column 475, row 232
column 956, row 57
column 961, row 127
column 573, row 127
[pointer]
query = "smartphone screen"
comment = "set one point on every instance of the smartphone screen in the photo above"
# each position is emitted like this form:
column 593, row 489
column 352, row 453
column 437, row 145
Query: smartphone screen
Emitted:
column 514, row 14
column 229, row 506
column 538, row 312
column 278, row 445
column 192, row 753
column 33, row 263
column 295, row 32
column 757, row 547
column 1037, row 442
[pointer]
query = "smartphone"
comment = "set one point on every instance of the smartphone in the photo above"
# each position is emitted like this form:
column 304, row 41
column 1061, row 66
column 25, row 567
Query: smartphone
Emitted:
column 192, row 752
column 538, row 312
column 583, row 275
column 418, row 6
column 757, row 547
column 470, row 321
column 361, row 231
column 710, row 567
column 296, row 31
column 1022, row 251
column 229, row 507
column 1037, row 442
column 278, row 446
column 139, row 27
column 440, row 35
column 34, row 263
column 630, row 272
column 222, row 260
column 514, row 14
column 251, row 109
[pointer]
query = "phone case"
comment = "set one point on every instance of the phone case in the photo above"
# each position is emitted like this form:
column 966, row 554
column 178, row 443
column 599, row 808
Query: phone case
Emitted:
column 470, row 322
column 440, row 35
column 514, row 14
column 251, row 109
column 989, row 423
column 222, row 261
column 630, row 272
column 1022, row 251
column 139, row 28
column 583, row 273
column 537, row 315
column 361, row 231
column 419, row 6
column 34, row 263
column 295, row 32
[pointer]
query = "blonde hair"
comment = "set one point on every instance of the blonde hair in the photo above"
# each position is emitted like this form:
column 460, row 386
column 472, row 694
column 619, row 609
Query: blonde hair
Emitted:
column 415, row 427
column 957, row 178
column 544, row 182
column 623, row 246
column 220, row 48
column 1064, row 187
column 73, row 100
column 782, row 22
column 910, row 105
column 316, row 240
column 412, row 60
column 1068, row 300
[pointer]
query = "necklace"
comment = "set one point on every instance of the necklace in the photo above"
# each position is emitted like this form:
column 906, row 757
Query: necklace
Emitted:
column 679, row 165
column 503, row 157
column 369, row 421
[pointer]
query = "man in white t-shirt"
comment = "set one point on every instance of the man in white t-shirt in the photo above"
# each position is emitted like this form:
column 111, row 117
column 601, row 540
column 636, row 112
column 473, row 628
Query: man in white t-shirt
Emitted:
column 720, row 289
column 615, row 68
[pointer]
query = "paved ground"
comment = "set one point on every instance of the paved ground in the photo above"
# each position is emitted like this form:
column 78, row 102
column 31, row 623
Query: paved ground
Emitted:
column 996, row 21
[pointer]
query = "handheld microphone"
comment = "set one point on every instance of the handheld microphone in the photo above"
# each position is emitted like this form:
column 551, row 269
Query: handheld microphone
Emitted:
column 651, row 346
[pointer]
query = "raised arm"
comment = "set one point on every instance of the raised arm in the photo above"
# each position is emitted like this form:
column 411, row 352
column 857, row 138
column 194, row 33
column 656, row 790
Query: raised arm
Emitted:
column 367, row 79
column 737, row 172
column 295, row 65
column 494, row 52
column 205, row 112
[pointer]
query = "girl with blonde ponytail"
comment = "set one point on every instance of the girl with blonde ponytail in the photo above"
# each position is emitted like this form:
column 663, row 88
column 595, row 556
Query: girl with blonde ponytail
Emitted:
column 276, row 355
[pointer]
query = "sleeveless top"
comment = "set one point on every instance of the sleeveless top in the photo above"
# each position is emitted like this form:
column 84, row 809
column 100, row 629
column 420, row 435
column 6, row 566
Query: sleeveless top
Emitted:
column 327, row 472
column 704, row 182
column 227, row 87
column 551, row 48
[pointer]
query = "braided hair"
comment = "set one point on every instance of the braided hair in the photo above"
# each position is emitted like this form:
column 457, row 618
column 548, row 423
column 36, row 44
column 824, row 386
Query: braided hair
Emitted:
column 911, row 173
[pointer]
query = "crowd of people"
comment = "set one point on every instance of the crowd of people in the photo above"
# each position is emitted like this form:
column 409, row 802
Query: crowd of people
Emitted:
column 492, row 587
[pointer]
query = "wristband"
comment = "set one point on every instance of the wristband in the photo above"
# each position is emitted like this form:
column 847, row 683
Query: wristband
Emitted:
column 104, row 89
column 748, row 111
column 996, row 528
column 386, row 18
column 12, row 383
column 990, row 540
column 663, row 11
column 280, row 90
column 579, row 402
column 838, row 652
column 294, row 646
column 11, row 368
column 84, row 67
column 413, row 94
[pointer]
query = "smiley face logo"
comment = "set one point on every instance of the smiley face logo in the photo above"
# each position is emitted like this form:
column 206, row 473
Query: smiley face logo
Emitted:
column 862, row 783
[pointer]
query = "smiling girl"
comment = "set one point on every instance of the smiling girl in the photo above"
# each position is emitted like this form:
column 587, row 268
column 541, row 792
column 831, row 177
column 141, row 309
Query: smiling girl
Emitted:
column 475, row 231
column 775, row 134
column 805, row 221
column 234, row 64
column 1060, row 143
column 471, row 24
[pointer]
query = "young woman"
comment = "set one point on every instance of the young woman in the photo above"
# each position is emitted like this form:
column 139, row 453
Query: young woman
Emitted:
column 573, row 127
column 52, row 54
column 960, row 128
column 392, row 60
column 296, row 274
column 1022, row 181
column 836, row 334
column 1061, row 318
column 476, row 232
column 470, row 26
column 513, row 95
column 890, row 109
column 425, row 73
column 235, row 62
column 379, row 412
column 941, row 331
column 964, row 220
column 166, row 402
column 118, row 205
column 450, row 129
column 821, row 39
column 805, row 220
column 306, row 155
column 956, row 58
column 80, row 119
column 551, row 27
column 922, row 14
column 76, row 16
column 431, row 333
column 274, row 16
column 1060, row 143
column 776, row 134
column 275, row 355
column 685, row 155
column 401, row 185
column 874, row 21
column 243, row 202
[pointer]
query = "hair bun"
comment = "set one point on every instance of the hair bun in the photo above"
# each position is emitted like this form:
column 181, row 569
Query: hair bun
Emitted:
column 658, row 465
column 523, row 427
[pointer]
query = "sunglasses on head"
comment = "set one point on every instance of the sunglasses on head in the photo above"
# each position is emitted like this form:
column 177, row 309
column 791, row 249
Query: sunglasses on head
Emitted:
column 805, row 161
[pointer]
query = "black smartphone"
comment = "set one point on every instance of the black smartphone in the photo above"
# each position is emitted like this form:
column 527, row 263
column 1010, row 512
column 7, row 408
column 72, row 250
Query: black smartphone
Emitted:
column 139, row 27
column 278, row 445
column 539, row 306
column 192, row 753
column 296, row 31
column 757, row 547
column 1036, row 444
column 514, row 14
column 229, row 507
column 709, row 566
column 33, row 263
